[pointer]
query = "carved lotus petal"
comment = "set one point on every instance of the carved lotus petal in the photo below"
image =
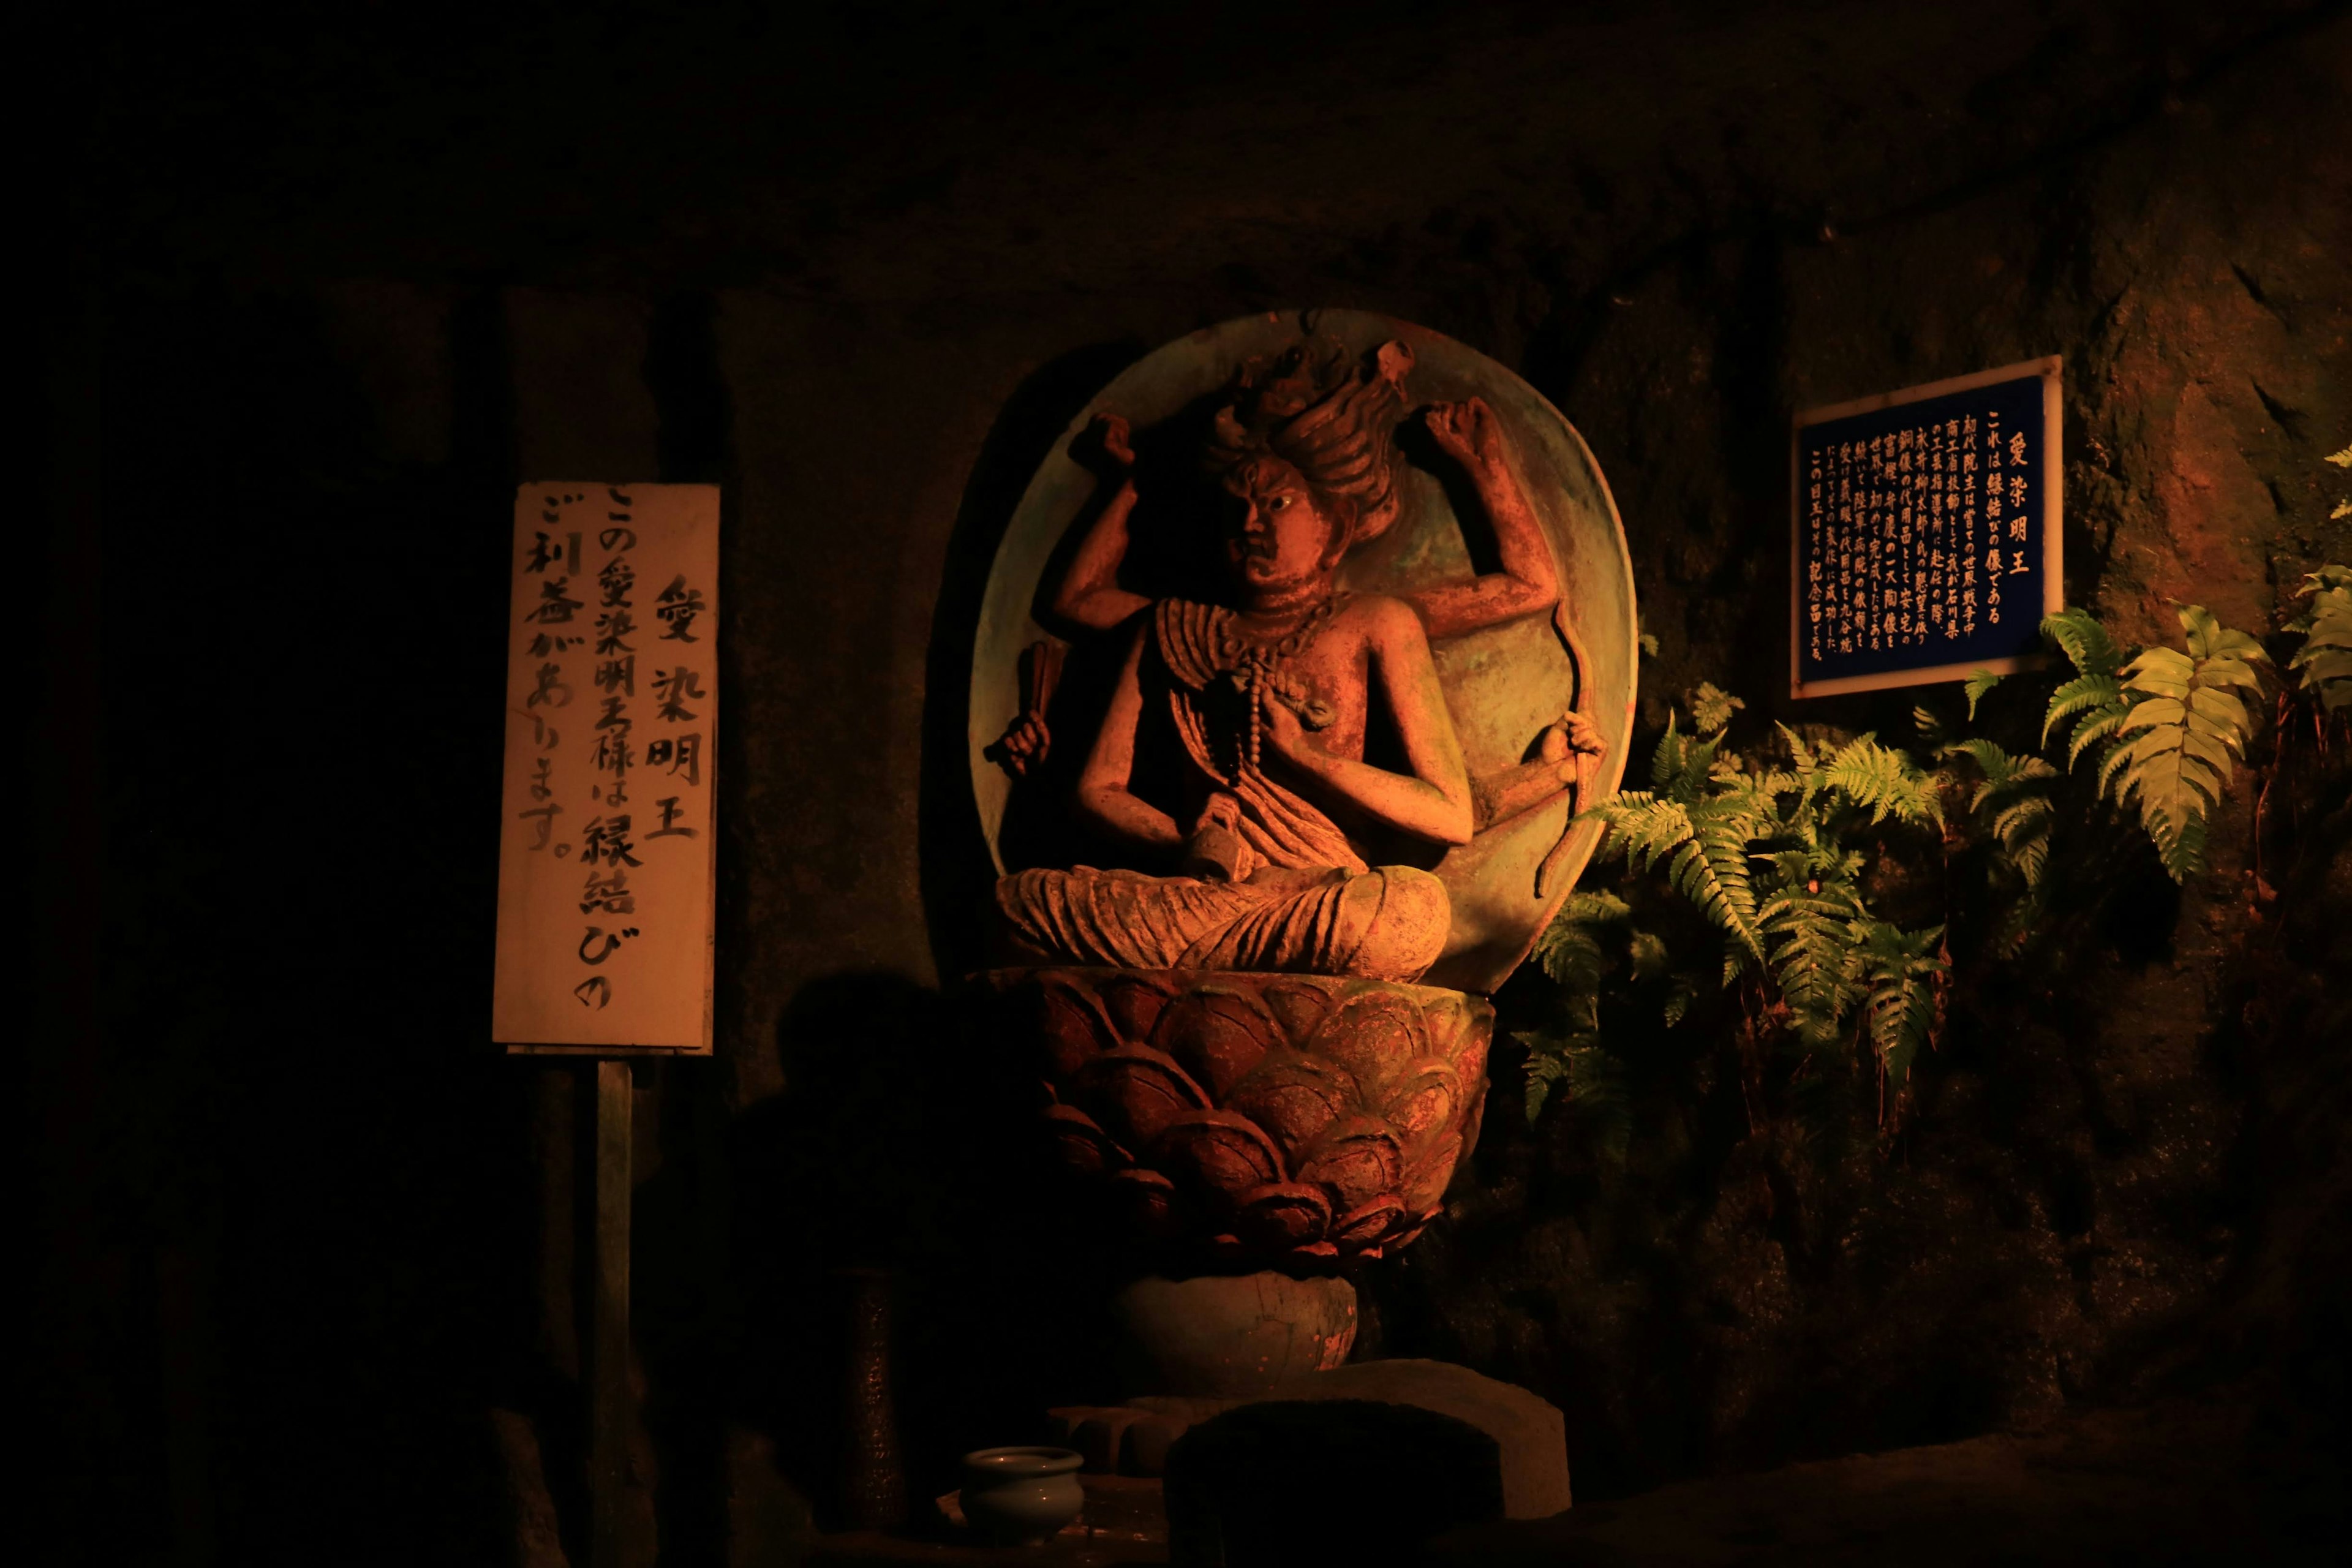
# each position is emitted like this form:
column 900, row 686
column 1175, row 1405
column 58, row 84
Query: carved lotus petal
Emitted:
column 1284, row 1215
column 1085, row 1145
column 1424, row 1187
column 1133, row 1003
column 1072, row 1025
column 1219, row 1033
column 1425, row 1099
column 1372, row 1034
column 1356, row 1160
column 1150, row 1197
column 1450, row 1020
column 1294, row 1098
column 1300, row 1004
column 1365, row 1226
column 1224, row 1150
column 1469, row 1056
column 1139, row 1093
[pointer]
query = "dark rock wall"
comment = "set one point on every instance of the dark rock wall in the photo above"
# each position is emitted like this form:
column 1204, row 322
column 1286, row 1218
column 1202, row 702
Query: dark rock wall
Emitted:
column 319, row 299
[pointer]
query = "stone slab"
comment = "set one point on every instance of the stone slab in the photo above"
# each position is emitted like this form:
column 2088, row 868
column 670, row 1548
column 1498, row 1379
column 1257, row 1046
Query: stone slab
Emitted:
column 1529, row 1429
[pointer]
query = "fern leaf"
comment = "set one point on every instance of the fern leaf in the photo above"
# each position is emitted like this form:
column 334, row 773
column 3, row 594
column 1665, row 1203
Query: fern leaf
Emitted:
column 1597, row 1093
column 1570, row 949
column 2184, row 736
column 2017, row 926
column 1882, row 781
column 1711, row 708
column 1900, row 1016
column 1680, row 995
column 2085, row 694
column 2182, row 848
column 1975, row 686
column 2323, row 663
column 1648, row 955
column 1682, row 764
column 1667, row 759
column 1711, row 871
column 2100, row 727
column 2085, row 641
column 2210, row 639
column 1546, row 1069
column 1703, row 849
column 1813, row 958
column 2160, row 672
column 2000, row 772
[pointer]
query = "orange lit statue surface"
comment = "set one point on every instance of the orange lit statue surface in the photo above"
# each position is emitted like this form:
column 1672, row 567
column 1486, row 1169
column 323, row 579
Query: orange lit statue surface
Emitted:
column 1259, row 752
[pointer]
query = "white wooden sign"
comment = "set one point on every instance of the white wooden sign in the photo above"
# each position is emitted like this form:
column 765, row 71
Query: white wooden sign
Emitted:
column 606, row 849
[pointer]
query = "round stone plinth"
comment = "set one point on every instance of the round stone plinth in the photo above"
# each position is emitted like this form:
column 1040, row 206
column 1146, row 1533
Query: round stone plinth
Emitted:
column 1233, row 1336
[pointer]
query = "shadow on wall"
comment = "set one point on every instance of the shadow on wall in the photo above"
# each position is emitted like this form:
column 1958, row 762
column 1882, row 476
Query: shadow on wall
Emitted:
column 957, row 873
column 896, row 1145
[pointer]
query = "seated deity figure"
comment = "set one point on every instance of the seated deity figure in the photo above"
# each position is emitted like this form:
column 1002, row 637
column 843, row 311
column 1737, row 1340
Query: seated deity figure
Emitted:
column 1259, row 751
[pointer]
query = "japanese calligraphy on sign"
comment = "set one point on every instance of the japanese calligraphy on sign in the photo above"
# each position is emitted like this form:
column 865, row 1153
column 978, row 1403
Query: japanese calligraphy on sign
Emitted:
column 606, row 859
column 1925, row 531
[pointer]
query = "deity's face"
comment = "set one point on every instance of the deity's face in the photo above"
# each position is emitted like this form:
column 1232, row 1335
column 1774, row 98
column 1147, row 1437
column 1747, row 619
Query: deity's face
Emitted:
column 1278, row 537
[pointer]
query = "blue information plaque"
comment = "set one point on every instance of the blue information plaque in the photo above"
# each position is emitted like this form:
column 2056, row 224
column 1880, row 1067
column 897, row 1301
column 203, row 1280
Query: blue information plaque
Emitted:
column 1925, row 534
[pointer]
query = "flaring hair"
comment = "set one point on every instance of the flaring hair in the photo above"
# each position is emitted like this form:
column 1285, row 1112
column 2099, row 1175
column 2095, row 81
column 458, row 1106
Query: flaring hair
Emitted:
column 1328, row 414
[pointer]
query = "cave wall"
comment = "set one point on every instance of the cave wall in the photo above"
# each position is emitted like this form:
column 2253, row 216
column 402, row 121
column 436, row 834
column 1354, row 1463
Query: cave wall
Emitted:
column 326, row 295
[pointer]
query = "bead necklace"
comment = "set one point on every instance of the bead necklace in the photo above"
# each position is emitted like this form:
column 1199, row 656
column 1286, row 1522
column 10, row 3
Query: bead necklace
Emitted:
column 1253, row 666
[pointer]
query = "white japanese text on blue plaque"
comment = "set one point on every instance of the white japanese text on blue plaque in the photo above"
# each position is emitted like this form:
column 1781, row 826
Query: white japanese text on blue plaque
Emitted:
column 1925, row 531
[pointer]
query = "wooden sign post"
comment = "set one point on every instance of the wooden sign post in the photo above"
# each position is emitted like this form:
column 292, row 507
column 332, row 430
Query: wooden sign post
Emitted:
column 606, row 854
column 1925, row 535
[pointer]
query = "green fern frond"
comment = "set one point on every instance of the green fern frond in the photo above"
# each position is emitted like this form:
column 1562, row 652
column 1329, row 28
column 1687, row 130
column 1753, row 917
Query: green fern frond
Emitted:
column 1904, row 976
column 1884, row 782
column 1975, row 686
column 1680, row 765
column 2323, row 663
column 2001, row 772
column 2017, row 927
column 2101, row 726
column 1813, row 958
column 1570, row 949
column 2089, row 695
column 1701, row 846
column 2184, row 736
column 1711, row 708
column 2181, row 846
column 1646, row 955
column 2159, row 672
column 1643, row 827
column 2210, row 639
column 2020, row 821
column 1599, row 1098
column 1680, row 994
column 2085, row 641
column 1710, row 869
column 1546, row 1068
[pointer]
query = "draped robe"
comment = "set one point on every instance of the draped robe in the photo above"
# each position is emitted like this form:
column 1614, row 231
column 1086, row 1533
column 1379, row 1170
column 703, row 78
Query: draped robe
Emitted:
column 1301, row 900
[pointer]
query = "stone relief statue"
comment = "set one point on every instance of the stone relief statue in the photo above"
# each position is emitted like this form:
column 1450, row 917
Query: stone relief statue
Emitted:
column 1266, row 697
column 1296, row 664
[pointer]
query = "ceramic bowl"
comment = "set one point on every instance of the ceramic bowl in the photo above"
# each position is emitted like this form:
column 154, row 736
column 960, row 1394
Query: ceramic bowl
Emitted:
column 1020, row 1494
